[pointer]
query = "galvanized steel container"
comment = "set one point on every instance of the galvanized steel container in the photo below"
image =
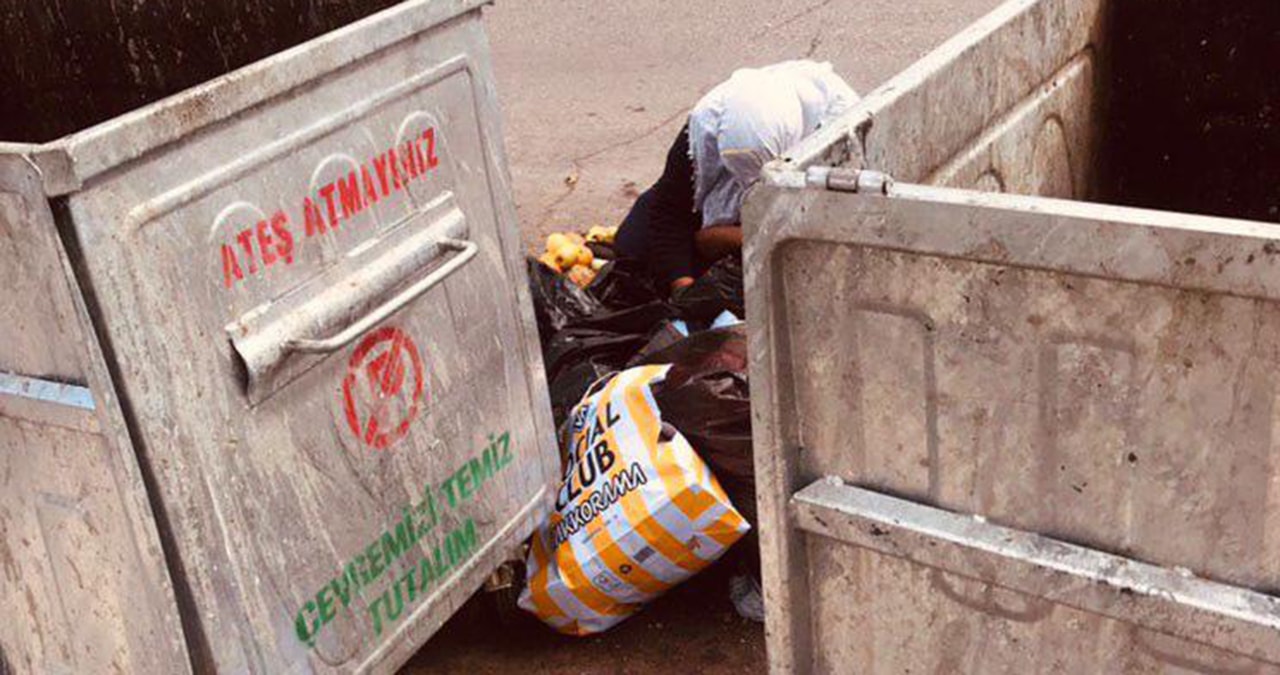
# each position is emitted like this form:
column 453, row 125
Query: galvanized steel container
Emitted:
column 1000, row 427
column 271, row 398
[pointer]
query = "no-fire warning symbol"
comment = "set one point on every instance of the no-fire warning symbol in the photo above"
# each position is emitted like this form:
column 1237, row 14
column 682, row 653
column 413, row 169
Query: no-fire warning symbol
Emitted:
column 383, row 390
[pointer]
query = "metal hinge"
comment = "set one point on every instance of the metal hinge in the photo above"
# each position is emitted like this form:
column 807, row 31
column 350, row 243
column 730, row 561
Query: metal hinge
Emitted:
column 863, row 181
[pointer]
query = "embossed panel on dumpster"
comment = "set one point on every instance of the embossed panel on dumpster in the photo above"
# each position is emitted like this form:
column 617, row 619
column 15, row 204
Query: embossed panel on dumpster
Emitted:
column 999, row 431
column 305, row 281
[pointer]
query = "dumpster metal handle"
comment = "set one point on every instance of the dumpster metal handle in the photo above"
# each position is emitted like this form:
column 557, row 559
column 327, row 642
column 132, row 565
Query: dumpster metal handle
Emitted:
column 467, row 250
column 335, row 307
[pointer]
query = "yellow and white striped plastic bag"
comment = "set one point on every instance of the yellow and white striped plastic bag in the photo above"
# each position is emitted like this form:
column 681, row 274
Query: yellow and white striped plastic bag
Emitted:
column 637, row 513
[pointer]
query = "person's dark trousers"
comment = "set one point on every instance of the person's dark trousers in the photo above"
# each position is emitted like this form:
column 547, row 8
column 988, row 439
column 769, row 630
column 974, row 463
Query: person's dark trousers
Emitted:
column 635, row 235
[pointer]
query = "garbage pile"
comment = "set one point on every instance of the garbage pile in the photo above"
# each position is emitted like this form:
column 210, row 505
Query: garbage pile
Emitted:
column 651, row 397
column 637, row 513
column 574, row 256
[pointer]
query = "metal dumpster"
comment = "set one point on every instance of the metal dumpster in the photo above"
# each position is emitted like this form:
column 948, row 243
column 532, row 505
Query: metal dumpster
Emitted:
column 270, row 392
column 999, row 425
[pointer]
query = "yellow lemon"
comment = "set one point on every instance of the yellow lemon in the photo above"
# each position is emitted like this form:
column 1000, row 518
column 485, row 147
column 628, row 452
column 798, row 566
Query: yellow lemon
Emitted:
column 550, row 261
column 585, row 256
column 596, row 234
column 566, row 256
column 610, row 234
column 556, row 241
column 576, row 238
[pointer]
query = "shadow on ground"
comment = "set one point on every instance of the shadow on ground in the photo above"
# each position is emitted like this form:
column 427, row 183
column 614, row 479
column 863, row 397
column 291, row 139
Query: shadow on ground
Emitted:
column 691, row 629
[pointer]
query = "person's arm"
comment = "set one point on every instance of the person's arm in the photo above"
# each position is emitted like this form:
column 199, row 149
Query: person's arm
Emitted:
column 673, row 220
column 718, row 241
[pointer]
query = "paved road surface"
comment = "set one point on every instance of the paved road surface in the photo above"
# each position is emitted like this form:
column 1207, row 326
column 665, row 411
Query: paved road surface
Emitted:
column 594, row 91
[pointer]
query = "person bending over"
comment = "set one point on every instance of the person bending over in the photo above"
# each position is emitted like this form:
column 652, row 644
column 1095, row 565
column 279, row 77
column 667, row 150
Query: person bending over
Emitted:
column 691, row 217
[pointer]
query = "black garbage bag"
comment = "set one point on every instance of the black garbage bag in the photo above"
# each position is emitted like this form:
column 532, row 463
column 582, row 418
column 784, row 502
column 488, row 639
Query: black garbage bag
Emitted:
column 639, row 320
column 574, row 358
column 718, row 290
column 602, row 251
column 707, row 396
column 589, row 333
column 557, row 302
column 572, row 384
column 593, row 346
column 624, row 283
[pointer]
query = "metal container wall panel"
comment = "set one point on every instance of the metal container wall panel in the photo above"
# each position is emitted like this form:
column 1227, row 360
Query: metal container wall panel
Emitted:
column 37, row 337
column 1099, row 411
column 308, row 282
column 952, row 104
column 1089, row 374
column 82, row 593
column 83, row 583
column 935, row 108
column 1047, row 146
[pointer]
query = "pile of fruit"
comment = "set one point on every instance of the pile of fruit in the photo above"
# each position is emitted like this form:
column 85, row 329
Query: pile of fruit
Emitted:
column 573, row 255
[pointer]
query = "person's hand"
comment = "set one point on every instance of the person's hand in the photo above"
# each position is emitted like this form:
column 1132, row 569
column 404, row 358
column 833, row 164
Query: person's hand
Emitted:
column 718, row 241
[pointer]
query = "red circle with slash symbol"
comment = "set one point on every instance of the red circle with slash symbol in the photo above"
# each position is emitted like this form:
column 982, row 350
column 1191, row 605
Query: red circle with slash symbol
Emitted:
column 383, row 390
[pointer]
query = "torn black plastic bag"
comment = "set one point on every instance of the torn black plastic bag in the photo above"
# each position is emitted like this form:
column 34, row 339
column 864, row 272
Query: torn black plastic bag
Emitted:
column 557, row 302
column 587, row 334
column 715, row 292
column 707, row 397
column 622, row 284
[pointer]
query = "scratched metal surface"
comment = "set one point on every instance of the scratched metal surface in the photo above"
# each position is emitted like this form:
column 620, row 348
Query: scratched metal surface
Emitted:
column 1091, row 375
column 1123, row 615
column 943, row 109
column 277, row 470
column 1094, row 374
column 83, row 585
column 30, row 275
